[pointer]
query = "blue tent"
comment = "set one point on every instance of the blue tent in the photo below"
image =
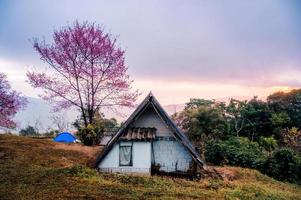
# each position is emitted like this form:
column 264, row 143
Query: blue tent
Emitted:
column 65, row 137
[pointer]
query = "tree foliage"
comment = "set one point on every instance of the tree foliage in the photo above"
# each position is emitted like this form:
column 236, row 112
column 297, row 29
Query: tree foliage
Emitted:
column 292, row 138
column 289, row 103
column 202, row 120
column 10, row 103
column 284, row 165
column 253, row 119
column 236, row 114
column 87, row 70
column 93, row 133
column 238, row 151
column 268, row 143
column 258, row 134
column 29, row 131
column 202, row 117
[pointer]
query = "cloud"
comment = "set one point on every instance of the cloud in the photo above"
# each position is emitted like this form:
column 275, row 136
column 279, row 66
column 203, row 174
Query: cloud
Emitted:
column 16, row 75
column 195, row 46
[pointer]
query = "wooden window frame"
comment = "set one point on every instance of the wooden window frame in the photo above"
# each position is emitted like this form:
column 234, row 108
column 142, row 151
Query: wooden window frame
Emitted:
column 131, row 160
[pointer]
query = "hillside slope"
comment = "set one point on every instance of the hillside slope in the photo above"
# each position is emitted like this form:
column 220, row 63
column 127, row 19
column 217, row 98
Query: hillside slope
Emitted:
column 42, row 169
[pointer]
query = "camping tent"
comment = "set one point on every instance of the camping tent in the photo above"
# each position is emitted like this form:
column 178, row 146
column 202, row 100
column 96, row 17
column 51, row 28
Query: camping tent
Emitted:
column 65, row 137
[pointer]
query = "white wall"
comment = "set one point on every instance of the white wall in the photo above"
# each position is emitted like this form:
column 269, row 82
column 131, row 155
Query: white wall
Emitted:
column 141, row 159
column 171, row 155
column 149, row 118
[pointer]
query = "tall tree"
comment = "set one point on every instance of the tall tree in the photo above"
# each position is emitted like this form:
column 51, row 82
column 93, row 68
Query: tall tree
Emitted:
column 257, row 115
column 288, row 103
column 87, row 70
column 203, row 121
column 235, row 112
column 196, row 103
column 10, row 103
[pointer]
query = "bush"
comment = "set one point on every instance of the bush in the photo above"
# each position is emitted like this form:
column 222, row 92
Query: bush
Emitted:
column 237, row 151
column 214, row 152
column 268, row 143
column 29, row 131
column 284, row 165
column 87, row 134
column 51, row 133
column 292, row 138
column 90, row 135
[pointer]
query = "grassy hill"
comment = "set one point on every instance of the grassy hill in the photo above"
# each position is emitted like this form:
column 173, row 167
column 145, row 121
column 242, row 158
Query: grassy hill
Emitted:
column 41, row 169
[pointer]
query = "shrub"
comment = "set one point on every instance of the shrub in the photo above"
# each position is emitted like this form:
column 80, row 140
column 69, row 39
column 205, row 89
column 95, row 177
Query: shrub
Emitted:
column 29, row 131
column 292, row 138
column 51, row 133
column 284, row 165
column 214, row 152
column 268, row 143
column 237, row 151
column 88, row 135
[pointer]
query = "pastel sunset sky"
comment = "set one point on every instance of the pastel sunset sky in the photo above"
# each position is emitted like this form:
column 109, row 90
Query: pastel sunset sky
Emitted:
column 177, row 49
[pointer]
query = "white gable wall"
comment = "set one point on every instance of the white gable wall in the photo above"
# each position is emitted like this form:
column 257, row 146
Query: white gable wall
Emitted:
column 141, row 159
column 149, row 118
column 171, row 155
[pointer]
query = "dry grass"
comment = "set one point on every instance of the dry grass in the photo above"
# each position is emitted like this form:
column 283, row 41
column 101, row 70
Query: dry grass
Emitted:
column 41, row 169
column 90, row 152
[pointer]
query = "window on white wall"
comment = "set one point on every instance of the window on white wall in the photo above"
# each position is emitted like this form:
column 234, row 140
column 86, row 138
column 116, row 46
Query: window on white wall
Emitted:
column 126, row 154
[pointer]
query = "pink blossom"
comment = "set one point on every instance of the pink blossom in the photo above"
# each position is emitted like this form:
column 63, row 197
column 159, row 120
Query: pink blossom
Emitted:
column 87, row 70
column 10, row 103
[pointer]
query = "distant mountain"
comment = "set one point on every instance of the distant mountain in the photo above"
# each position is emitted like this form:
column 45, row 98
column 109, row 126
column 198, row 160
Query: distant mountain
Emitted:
column 173, row 108
column 38, row 113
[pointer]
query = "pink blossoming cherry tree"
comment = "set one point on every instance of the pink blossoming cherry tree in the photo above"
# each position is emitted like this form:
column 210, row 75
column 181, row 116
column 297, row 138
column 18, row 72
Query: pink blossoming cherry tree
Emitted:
column 87, row 71
column 10, row 103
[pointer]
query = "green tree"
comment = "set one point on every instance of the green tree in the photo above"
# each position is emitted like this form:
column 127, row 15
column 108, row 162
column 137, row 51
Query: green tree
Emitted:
column 268, row 143
column 196, row 103
column 289, row 103
column 237, row 151
column 202, row 120
column 93, row 133
column 284, row 165
column 280, row 121
column 235, row 112
column 29, row 131
column 292, row 138
column 257, row 115
column 88, row 135
column 51, row 133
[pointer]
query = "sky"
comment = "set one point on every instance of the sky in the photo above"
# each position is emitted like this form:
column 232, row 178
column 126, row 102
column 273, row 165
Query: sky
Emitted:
column 177, row 49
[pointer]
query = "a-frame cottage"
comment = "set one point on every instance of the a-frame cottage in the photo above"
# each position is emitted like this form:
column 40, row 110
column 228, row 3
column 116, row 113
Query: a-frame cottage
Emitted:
column 149, row 142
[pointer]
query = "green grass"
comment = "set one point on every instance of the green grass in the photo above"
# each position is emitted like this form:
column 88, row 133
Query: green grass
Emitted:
column 36, row 169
